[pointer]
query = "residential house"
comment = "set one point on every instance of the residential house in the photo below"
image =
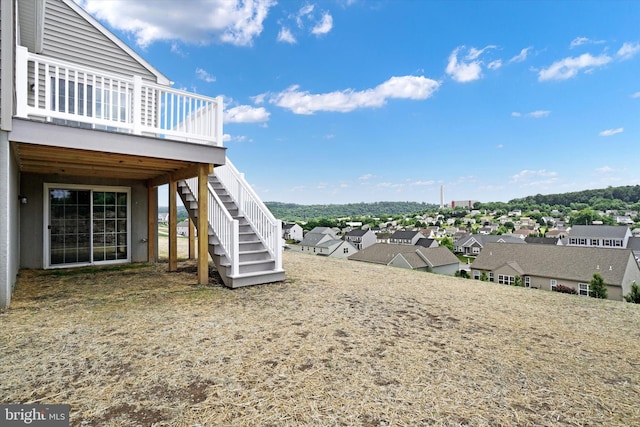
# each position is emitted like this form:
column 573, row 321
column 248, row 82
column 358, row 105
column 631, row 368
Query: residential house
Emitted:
column 405, row 237
column 522, row 233
column 624, row 219
column 438, row 260
column 336, row 248
column 545, row 267
column 311, row 241
column 88, row 131
column 163, row 217
column 472, row 244
column 634, row 245
column 383, row 237
column 361, row 238
column 292, row 231
column 183, row 228
column 601, row 236
column 557, row 234
column 427, row 243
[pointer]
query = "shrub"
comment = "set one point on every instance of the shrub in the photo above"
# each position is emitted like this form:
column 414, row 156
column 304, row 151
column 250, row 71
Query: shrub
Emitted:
column 565, row 289
column 634, row 295
column 597, row 287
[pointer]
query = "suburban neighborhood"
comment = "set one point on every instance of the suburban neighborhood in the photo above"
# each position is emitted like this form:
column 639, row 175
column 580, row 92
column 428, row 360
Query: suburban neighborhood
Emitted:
column 547, row 253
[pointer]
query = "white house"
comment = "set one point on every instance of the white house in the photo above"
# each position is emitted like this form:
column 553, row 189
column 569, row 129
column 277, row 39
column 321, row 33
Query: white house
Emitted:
column 292, row 232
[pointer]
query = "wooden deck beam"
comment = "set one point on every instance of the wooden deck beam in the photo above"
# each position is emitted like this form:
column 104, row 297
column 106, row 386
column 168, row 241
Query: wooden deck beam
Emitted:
column 152, row 221
column 192, row 239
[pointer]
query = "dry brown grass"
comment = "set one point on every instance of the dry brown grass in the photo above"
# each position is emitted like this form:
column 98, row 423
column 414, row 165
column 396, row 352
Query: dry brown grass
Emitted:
column 339, row 343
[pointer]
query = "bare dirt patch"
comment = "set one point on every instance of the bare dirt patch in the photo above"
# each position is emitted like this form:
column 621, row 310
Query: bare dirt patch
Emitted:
column 338, row 343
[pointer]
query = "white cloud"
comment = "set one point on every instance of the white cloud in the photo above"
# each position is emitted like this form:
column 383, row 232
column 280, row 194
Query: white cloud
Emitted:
column 499, row 146
column 494, row 65
column 246, row 114
column 470, row 68
column 610, row 132
column 286, row 36
column 204, row 75
column 423, row 183
column 522, row 55
column 533, row 114
column 571, row 66
column 628, row 50
column 579, row 41
column 202, row 22
column 304, row 12
column 324, row 26
column 635, row 95
column 366, row 177
column 604, row 169
column 534, row 177
column 404, row 87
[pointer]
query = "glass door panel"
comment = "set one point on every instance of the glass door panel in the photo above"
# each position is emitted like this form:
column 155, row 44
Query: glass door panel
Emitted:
column 69, row 215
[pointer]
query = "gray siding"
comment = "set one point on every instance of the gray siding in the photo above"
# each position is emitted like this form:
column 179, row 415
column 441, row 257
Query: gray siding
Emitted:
column 32, row 215
column 68, row 36
column 9, row 221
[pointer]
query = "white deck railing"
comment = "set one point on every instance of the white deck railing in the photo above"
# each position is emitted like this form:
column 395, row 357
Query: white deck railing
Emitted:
column 266, row 226
column 69, row 93
column 225, row 228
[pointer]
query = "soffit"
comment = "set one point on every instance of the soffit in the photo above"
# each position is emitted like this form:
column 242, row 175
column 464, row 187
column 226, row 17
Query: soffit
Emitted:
column 41, row 159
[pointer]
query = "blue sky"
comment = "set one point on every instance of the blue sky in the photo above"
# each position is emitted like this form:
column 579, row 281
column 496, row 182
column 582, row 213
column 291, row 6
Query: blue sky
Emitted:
column 340, row 101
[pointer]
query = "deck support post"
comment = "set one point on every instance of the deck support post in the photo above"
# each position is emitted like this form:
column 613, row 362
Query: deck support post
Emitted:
column 152, row 227
column 203, row 223
column 192, row 239
column 173, row 225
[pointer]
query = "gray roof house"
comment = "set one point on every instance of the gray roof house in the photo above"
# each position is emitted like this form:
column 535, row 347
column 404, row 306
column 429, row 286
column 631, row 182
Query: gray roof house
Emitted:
column 361, row 238
column 402, row 237
column 323, row 241
column 600, row 236
column 546, row 266
column 472, row 244
column 88, row 132
column 427, row 243
column 438, row 260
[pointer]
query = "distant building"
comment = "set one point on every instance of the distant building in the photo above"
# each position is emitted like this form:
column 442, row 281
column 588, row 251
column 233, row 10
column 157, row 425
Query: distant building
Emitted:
column 463, row 203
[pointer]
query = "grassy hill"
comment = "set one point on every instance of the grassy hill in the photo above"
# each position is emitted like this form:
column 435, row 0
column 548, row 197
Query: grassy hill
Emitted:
column 339, row 343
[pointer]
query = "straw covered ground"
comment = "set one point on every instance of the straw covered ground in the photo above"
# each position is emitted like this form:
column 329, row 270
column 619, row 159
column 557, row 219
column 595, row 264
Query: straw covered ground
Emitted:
column 339, row 343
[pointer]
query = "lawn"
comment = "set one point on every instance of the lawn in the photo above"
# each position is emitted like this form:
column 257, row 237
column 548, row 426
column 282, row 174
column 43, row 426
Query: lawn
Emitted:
column 338, row 343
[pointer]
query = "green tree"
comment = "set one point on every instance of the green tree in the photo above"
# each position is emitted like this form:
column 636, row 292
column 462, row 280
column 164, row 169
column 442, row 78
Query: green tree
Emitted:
column 447, row 243
column 509, row 225
column 597, row 287
column 518, row 282
column 484, row 277
column 634, row 295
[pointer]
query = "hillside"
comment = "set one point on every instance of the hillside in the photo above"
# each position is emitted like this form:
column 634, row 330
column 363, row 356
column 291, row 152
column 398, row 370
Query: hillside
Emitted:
column 339, row 343
column 295, row 212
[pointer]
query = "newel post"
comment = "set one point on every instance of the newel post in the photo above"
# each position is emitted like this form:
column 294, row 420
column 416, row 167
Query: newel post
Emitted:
column 22, row 82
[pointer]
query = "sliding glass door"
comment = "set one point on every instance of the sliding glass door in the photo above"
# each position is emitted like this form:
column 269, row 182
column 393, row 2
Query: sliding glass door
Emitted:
column 87, row 225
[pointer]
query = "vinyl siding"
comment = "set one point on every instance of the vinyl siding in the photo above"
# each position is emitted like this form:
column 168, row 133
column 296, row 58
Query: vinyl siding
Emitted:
column 68, row 36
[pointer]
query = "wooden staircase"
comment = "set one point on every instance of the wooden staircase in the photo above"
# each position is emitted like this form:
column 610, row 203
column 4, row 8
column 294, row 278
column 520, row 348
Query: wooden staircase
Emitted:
column 245, row 253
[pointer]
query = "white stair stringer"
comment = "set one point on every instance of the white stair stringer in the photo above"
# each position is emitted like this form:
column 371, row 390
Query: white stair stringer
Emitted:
column 256, row 264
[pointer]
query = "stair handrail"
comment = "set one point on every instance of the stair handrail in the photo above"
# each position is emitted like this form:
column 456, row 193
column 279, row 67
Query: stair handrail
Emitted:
column 224, row 227
column 266, row 226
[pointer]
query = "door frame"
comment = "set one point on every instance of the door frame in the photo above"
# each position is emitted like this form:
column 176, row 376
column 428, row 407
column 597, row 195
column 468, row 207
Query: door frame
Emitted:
column 46, row 255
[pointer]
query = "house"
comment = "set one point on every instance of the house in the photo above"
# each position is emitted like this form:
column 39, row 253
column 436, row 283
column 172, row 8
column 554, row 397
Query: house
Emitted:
column 88, row 131
column 336, row 248
column 324, row 241
column 634, row 245
column 163, row 217
column 427, row 243
column 438, row 260
column 292, row 232
column 522, row 233
column 311, row 241
column 183, row 228
column 401, row 237
column 601, row 236
column 545, row 267
column 361, row 238
column 557, row 234
column 541, row 240
column 472, row 244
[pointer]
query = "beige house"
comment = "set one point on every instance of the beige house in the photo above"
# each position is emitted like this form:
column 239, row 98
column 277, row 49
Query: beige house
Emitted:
column 547, row 266
column 438, row 260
